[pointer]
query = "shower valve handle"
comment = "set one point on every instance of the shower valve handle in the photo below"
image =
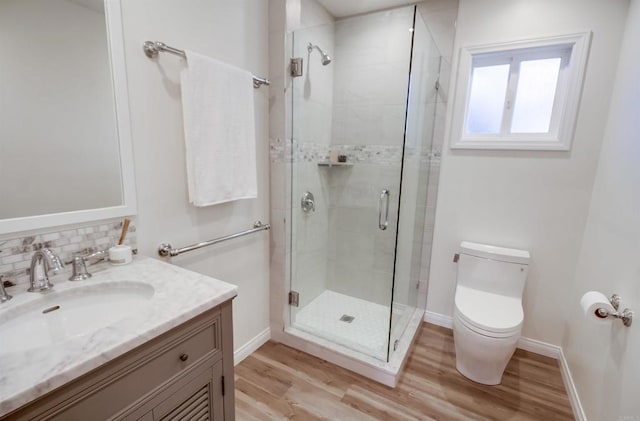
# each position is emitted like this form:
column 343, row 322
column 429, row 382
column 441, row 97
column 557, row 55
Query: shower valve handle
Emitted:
column 308, row 202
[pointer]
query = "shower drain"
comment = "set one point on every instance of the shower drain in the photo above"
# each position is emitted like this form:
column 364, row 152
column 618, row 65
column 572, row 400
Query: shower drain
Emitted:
column 346, row 318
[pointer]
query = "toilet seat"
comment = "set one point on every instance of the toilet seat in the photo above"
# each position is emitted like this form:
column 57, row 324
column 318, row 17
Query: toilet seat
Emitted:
column 488, row 314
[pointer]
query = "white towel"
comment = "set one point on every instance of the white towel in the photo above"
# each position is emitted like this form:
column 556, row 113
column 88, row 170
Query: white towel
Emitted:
column 217, row 107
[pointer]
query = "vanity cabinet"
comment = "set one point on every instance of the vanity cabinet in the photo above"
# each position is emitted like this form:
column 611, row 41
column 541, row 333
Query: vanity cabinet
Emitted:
column 185, row 374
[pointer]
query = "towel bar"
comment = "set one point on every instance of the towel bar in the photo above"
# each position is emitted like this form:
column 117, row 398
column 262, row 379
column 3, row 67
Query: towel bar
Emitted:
column 152, row 48
column 165, row 249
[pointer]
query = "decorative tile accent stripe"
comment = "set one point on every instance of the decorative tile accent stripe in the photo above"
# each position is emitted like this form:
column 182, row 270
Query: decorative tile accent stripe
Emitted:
column 278, row 148
column 280, row 151
column 16, row 253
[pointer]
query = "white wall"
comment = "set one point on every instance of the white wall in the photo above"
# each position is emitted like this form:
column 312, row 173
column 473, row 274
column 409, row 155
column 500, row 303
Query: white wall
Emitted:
column 235, row 32
column 279, row 165
column 531, row 200
column 603, row 358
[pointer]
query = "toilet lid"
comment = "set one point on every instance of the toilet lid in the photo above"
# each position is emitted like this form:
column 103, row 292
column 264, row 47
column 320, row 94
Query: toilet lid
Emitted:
column 487, row 311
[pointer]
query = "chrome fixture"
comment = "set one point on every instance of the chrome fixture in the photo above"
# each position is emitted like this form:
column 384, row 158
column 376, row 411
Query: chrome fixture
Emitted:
column 383, row 223
column 152, row 48
column 80, row 272
column 165, row 249
column 46, row 260
column 295, row 67
column 626, row 315
column 308, row 202
column 4, row 296
column 294, row 298
column 325, row 58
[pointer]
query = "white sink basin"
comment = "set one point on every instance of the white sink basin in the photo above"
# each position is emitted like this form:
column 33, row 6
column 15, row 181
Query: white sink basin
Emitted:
column 60, row 316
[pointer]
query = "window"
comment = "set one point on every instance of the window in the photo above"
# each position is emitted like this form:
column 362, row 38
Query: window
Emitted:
column 521, row 95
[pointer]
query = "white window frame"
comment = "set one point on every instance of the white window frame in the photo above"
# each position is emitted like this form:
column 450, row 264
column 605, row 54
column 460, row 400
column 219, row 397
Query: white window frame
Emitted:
column 572, row 48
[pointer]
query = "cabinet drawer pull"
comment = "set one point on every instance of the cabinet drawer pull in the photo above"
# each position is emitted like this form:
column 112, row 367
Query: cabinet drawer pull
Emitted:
column 184, row 357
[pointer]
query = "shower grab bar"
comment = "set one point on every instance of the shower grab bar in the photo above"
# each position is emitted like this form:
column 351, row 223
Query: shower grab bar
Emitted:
column 384, row 195
column 165, row 249
column 152, row 48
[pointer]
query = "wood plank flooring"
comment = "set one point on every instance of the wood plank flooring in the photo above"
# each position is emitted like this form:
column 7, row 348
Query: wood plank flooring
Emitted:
column 277, row 382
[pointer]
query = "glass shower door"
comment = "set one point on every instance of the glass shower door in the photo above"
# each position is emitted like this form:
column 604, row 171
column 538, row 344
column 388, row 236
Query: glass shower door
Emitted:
column 409, row 292
column 348, row 123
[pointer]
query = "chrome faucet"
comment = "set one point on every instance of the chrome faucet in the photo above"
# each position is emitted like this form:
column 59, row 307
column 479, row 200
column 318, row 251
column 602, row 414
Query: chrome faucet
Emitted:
column 4, row 297
column 79, row 263
column 45, row 259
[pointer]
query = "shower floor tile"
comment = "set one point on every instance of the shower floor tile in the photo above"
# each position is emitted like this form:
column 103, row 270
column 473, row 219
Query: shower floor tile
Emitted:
column 367, row 332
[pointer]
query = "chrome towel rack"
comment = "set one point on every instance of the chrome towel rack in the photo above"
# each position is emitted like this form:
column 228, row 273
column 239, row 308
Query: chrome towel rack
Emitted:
column 165, row 249
column 152, row 48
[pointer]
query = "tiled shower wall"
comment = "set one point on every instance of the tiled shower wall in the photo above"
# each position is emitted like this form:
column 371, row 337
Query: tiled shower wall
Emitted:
column 16, row 253
column 371, row 65
column 311, row 134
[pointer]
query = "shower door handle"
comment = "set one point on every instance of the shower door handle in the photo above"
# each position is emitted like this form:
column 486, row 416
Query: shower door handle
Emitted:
column 383, row 223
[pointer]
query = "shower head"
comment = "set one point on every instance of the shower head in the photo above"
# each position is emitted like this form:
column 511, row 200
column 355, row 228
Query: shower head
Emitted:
column 325, row 58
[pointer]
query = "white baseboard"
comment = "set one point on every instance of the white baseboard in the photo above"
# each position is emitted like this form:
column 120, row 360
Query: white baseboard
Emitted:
column 438, row 319
column 572, row 391
column 537, row 347
column 532, row 345
column 247, row 349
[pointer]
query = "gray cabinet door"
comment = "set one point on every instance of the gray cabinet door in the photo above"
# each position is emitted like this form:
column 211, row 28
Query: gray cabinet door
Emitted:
column 199, row 400
column 196, row 397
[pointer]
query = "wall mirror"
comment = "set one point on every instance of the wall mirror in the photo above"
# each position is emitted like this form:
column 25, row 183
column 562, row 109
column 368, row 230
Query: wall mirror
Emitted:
column 65, row 141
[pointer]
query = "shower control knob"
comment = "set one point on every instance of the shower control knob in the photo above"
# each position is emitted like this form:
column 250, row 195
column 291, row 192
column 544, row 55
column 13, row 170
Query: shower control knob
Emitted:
column 308, row 202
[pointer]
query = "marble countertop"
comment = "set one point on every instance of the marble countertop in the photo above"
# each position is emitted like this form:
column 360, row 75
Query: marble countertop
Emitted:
column 179, row 295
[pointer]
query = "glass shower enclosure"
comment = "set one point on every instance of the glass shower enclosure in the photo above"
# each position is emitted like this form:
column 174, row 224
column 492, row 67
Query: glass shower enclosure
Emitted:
column 363, row 114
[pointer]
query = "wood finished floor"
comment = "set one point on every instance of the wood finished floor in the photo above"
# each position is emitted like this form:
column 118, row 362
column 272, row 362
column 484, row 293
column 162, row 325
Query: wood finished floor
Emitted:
column 277, row 382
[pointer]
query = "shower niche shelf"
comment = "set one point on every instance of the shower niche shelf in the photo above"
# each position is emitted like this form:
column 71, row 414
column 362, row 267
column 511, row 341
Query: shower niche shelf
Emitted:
column 335, row 164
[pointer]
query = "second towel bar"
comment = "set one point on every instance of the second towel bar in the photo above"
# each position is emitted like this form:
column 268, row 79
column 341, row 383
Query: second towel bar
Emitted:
column 152, row 48
column 165, row 249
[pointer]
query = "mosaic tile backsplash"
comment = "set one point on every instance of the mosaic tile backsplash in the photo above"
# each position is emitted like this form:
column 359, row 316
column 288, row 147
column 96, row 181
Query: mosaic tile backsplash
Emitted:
column 16, row 253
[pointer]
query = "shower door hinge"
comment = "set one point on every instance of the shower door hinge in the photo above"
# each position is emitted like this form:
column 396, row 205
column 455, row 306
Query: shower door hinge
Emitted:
column 294, row 298
column 437, row 84
column 295, row 67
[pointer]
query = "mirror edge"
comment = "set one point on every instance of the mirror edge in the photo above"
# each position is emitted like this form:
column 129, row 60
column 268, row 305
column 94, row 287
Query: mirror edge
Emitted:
column 113, row 22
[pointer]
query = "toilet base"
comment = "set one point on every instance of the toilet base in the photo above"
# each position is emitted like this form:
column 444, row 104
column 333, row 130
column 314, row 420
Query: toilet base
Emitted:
column 480, row 358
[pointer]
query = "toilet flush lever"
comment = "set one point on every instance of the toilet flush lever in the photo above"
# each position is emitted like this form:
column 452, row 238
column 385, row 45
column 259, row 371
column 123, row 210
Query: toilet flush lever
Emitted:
column 456, row 257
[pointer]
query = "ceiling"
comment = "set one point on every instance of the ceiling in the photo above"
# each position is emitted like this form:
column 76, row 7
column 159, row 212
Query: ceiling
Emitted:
column 95, row 5
column 343, row 8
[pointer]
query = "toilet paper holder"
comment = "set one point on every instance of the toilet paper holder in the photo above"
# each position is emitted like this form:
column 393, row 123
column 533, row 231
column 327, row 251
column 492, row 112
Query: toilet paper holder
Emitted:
column 626, row 315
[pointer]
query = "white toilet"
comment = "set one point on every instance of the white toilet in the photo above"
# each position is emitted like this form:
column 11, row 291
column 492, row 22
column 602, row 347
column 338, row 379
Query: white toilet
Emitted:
column 488, row 314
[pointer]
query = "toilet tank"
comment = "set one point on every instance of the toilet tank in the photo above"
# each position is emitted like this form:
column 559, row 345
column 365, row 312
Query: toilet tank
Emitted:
column 493, row 269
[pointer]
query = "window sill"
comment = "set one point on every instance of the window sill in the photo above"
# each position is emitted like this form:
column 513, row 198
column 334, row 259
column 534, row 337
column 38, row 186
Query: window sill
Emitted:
column 511, row 143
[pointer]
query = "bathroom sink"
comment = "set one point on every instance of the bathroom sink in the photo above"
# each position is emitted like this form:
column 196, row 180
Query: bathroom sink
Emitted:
column 61, row 316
